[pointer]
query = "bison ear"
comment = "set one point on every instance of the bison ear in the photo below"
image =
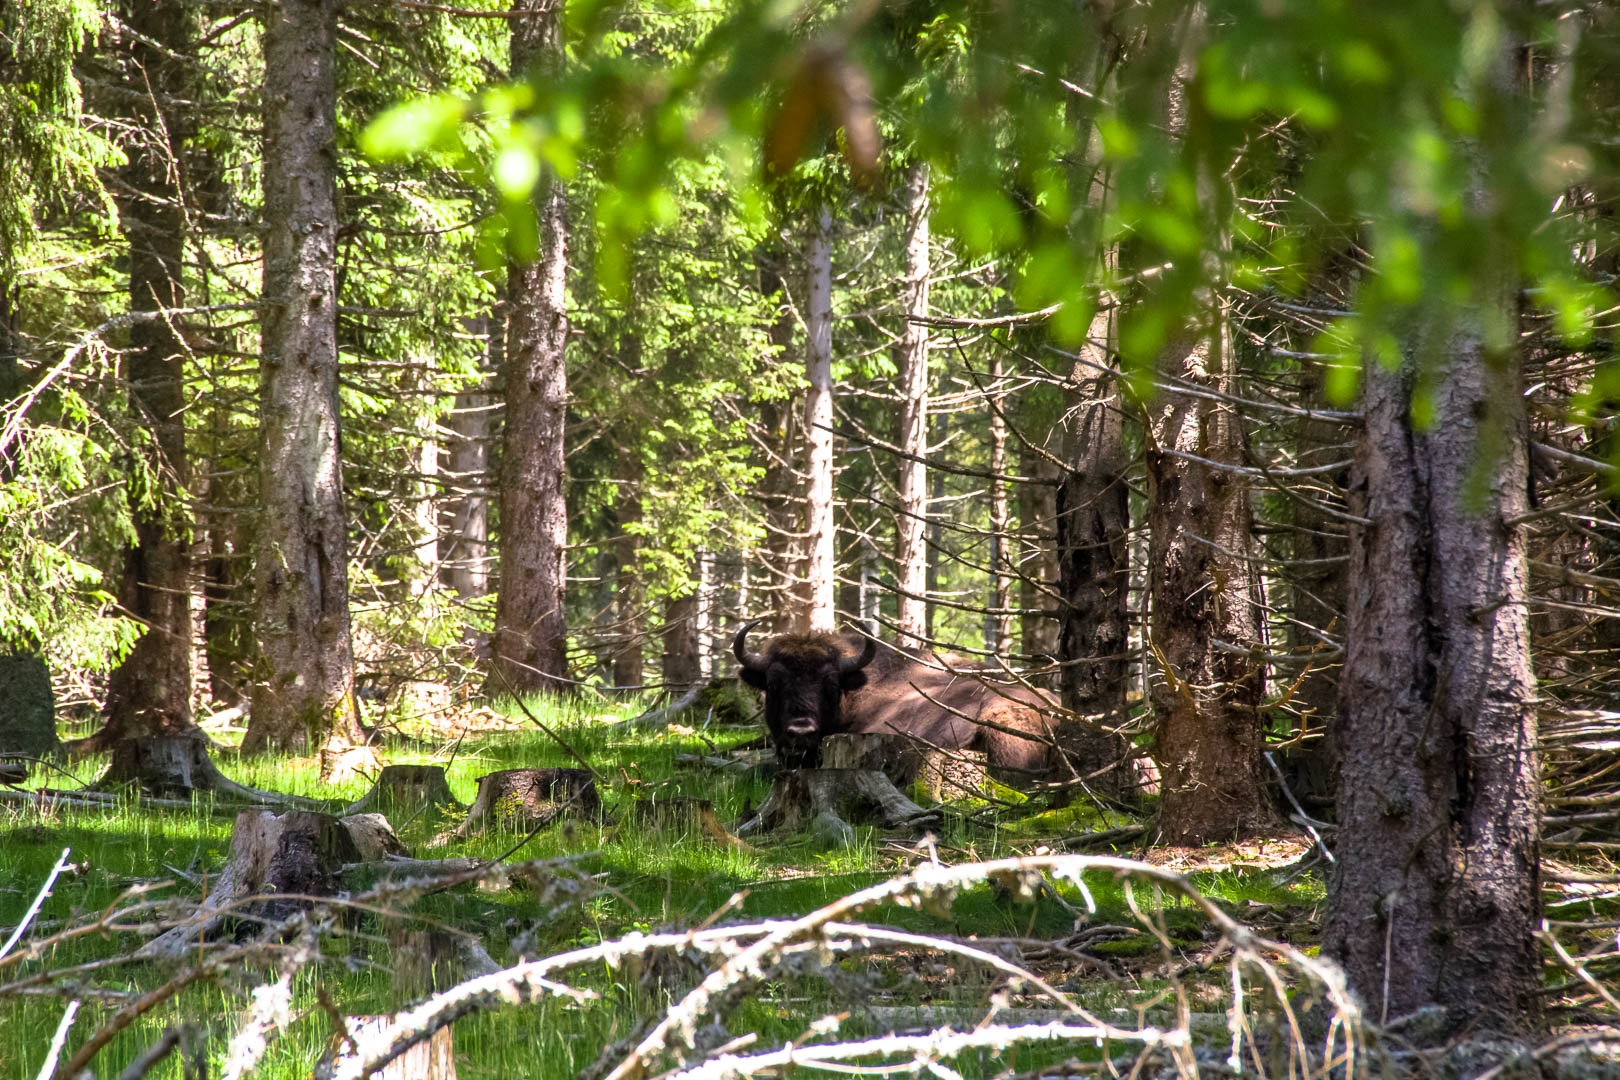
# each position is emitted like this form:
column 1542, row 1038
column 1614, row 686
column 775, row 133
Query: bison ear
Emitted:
column 851, row 680
column 753, row 678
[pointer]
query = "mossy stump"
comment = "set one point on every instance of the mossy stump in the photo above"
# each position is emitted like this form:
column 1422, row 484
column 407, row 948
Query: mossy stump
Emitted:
column 531, row 798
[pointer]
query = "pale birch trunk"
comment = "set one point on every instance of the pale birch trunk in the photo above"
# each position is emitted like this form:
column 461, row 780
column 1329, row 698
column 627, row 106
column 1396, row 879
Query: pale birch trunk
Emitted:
column 911, row 521
column 820, row 529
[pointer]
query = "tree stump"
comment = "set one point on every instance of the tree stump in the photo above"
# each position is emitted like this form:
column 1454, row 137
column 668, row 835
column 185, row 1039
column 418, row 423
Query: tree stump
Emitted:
column 175, row 765
column 829, row 798
column 943, row 774
column 526, row 798
column 688, row 816
column 343, row 760
column 426, row 961
column 431, row 1059
column 406, row 789
column 953, row 774
column 294, row 852
column 27, row 714
column 373, row 837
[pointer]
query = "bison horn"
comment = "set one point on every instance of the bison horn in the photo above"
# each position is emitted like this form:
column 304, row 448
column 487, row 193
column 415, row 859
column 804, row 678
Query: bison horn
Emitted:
column 751, row 661
column 848, row 664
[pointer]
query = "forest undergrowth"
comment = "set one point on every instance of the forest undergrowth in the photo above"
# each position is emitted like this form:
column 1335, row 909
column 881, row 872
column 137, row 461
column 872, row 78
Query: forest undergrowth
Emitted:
column 1041, row 938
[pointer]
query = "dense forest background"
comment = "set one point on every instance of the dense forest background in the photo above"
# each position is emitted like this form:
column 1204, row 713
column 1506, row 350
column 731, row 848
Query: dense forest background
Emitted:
column 1238, row 373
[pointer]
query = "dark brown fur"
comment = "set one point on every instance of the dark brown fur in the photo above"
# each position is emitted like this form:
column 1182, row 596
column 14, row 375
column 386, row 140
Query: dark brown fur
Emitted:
column 901, row 690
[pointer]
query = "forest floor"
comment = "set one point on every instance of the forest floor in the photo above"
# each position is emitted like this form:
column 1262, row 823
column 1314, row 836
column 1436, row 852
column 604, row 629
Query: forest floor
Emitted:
column 1120, row 961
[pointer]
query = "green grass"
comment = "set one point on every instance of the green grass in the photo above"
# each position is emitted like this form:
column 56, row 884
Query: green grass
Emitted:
column 646, row 881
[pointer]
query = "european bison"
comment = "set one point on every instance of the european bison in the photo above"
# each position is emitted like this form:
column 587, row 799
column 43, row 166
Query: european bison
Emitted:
column 820, row 684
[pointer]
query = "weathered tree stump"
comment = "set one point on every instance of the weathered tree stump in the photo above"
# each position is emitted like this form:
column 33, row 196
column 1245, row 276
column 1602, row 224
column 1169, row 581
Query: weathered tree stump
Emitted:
column 942, row 774
column 828, row 799
column 525, row 798
column 953, row 774
column 428, row 961
column 431, row 1059
column 27, row 714
column 374, row 837
column 343, row 760
column 689, row 816
column 178, row 765
column 406, row 789
column 296, row 852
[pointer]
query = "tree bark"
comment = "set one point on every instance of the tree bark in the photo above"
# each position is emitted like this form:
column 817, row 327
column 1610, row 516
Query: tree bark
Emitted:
column 150, row 692
column 464, row 465
column 1039, row 567
column 779, row 489
column 1093, row 529
column 1205, row 598
column 628, row 596
column 911, row 520
column 1435, row 895
column 820, row 527
column 1316, row 586
column 681, row 662
column 530, row 645
column 998, row 622
column 304, row 690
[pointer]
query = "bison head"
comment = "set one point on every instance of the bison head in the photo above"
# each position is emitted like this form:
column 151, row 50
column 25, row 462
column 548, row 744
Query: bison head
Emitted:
column 803, row 676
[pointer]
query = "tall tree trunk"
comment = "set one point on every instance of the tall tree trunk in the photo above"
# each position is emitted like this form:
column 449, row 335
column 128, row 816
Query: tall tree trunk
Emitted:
column 1204, row 593
column 464, row 464
column 1435, row 894
column 628, row 596
column 779, row 489
column 1316, row 586
column 820, row 527
column 1093, row 530
column 936, row 528
column 682, row 665
column 1039, row 567
column 998, row 623
column 530, row 645
column 150, row 692
column 911, row 522
column 423, row 483
column 304, row 691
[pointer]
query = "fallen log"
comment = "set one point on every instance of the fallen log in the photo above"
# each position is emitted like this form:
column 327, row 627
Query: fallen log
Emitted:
column 826, row 800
